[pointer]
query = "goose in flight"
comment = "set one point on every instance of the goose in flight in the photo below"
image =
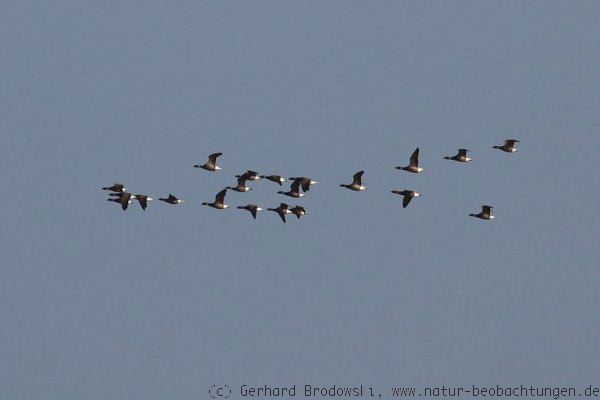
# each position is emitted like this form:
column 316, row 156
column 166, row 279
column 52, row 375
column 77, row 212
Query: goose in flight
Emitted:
column 304, row 182
column 116, row 187
column 281, row 210
column 143, row 200
column 219, row 201
column 413, row 165
column 254, row 209
column 298, row 211
column 460, row 157
column 241, row 185
column 486, row 213
column 294, row 190
column 249, row 176
column 408, row 196
column 211, row 164
column 124, row 199
column 172, row 200
column 356, row 184
column 508, row 146
column 274, row 178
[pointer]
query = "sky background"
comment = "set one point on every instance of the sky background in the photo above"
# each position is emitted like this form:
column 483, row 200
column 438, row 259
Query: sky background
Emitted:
column 97, row 303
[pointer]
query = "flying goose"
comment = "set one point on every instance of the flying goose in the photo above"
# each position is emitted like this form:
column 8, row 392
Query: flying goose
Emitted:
column 298, row 211
column 116, row 187
column 304, row 182
column 486, row 213
column 508, row 146
column 211, row 164
column 124, row 199
column 241, row 186
column 281, row 210
column 252, row 208
column 172, row 200
column 249, row 176
column 294, row 190
column 460, row 157
column 219, row 198
column 356, row 184
column 413, row 166
column 143, row 200
column 274, row 178
column 408, row 196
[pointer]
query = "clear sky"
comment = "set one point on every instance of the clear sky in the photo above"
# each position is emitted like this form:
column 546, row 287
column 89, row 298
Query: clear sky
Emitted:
column 96, row 303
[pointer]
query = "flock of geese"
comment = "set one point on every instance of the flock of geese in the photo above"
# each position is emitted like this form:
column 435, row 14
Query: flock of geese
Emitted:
column 298, row 188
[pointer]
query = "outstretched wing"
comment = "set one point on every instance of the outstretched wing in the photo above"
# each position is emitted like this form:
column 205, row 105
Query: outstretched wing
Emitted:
column 414, row 158
column 220, row 197
column 356, row 180
column 295, row 186
column 511, row 142
column 213, row 157
column 143, row 200
column 406, row 200
column 462, row 152
column 487, row 210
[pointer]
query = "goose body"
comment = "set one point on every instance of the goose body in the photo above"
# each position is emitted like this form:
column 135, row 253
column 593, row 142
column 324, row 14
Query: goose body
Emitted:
column 508, row 146
column 254, row 209
column 143, row 200
column 241, row 186
column 219, row 201
column 461, row 156
column 294, row 190
column 413, row 165
column 407, row 196
column 282, row 210
column 274, row 178
column 249, row 176
column 172, row 200
column 211, row 164
column 124, row 199
column 116, row 187
column 305, row 182
column 298, row 211
column 486, row 213
column 356, row 184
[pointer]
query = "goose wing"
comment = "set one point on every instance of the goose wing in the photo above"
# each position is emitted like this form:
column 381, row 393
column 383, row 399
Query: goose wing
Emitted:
column 414, row 158
column 406, row 200
column 356, row 179
column 220, row 197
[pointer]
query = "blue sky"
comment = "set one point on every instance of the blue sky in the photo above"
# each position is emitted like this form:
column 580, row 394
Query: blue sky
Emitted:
column 96, row 303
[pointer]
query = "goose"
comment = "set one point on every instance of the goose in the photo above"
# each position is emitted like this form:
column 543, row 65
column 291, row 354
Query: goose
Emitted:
column 211, row 164
column 304, row 182
column 274, row 178
column 508, row 146
column 408, row 196
column 219, row 198
column 143, row 200
column 124, row 199
column 116, row 187
column 298, row 211
column 241, row 186
column 486, row 213
column 413, row 166
column 294, row 190
column 356, row 184
column 252, row 208
column 172, row 200
column 249, row 176
column 460, row 157
column 281, row 210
